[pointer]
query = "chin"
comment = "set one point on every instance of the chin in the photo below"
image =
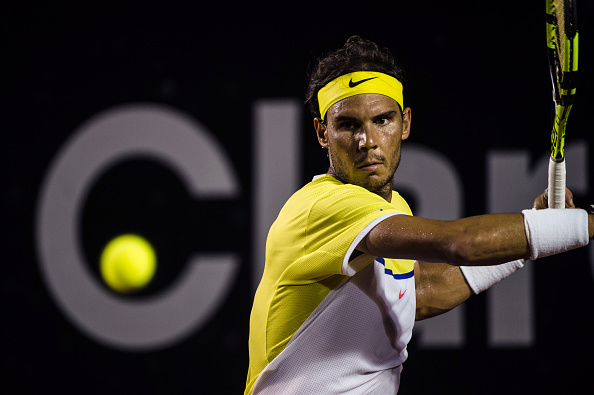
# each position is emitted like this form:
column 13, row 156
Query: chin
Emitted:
column 375, row 183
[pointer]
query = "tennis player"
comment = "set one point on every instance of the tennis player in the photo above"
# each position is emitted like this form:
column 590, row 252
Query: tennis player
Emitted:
column 349, row 269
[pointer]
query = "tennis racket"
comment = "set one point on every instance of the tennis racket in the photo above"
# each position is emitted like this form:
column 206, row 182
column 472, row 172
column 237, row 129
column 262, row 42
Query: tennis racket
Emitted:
column 562, row 47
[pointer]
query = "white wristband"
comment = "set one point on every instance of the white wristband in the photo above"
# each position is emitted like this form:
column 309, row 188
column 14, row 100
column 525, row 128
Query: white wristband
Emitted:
column 551, row 231
column 480, row 278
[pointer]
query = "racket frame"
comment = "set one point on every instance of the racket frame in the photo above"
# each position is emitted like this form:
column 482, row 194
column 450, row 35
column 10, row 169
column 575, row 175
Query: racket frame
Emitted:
column 563, row 78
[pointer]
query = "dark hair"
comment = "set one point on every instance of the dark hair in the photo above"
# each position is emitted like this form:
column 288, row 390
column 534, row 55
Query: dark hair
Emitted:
column 357, row 54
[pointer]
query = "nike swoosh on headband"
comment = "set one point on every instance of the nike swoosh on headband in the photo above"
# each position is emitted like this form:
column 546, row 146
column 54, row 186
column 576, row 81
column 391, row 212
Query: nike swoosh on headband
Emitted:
column 343, row 86
column 354, row 84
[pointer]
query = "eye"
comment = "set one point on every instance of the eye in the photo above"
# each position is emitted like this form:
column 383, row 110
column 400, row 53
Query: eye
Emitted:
column 385, row 118
column 382, row 121
column 347, row 125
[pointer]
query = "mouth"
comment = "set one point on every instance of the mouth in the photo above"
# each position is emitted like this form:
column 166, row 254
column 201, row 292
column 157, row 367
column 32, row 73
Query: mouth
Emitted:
column 369, row 166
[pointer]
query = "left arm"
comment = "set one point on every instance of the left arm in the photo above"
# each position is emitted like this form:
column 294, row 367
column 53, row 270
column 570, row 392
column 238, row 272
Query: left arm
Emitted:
column 440, row 287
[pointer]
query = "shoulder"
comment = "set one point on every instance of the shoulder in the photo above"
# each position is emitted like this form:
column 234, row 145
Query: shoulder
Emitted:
column 399, row 202
column 326, row 196
column 326, row 191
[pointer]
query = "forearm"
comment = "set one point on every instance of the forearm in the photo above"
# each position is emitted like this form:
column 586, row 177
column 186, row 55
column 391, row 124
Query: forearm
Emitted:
column 479, row 240
column 441, row 287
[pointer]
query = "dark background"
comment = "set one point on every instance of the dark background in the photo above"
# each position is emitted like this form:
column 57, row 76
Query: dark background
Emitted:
column 477, row 80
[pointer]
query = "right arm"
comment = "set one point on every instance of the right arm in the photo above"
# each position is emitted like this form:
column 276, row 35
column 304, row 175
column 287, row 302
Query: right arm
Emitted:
column 474, row 241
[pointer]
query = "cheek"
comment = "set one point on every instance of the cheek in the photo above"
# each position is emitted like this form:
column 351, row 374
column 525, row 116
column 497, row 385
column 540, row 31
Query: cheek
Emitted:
column 391, row 141
column 342, row 145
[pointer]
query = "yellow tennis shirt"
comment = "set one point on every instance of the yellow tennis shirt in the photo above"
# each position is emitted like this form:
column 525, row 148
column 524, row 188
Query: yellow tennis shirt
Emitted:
column 322, row 322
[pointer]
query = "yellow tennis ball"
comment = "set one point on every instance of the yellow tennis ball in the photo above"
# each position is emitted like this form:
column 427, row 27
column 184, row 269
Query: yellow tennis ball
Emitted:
column 128, row 263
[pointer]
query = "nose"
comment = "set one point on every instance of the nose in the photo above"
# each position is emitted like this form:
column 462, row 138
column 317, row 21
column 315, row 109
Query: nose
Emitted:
column 367, row 138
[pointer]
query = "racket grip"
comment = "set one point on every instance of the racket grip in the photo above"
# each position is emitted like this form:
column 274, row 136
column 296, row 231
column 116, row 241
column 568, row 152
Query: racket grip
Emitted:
column 556, row 191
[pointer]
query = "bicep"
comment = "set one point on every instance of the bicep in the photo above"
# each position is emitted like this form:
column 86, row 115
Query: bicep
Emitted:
column 408, row 237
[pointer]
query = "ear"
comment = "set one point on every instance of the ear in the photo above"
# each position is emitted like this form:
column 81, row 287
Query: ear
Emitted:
column 406, row 121
column 321, row 132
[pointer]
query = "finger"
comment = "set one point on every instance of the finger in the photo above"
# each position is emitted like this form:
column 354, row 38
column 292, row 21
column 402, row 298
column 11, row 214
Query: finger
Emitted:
column 540, row 202
column 569, row 199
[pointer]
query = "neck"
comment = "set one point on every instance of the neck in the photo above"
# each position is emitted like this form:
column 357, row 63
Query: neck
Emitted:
column 385, row 191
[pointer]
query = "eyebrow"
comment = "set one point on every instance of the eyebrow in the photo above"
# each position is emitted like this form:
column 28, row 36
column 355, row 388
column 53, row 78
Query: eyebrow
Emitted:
column 387, row 114
column 345, row 118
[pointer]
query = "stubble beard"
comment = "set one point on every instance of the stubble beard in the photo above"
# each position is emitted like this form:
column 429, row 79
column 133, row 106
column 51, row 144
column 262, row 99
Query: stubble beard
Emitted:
column 382, row 187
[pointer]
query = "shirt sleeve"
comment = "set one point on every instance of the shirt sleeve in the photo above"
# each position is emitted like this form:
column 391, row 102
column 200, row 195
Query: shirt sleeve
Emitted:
column 339, row 220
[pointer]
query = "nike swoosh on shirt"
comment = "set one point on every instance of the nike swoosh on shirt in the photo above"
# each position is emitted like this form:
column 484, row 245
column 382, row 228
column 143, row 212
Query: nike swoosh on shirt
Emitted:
column 401, row 294
column 354, row 84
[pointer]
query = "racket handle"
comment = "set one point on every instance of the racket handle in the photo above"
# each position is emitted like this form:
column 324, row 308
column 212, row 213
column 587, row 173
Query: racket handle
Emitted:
column 556, row 191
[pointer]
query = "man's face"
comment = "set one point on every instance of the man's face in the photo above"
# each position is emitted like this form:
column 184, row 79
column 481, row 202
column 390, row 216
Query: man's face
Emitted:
column 363, row 135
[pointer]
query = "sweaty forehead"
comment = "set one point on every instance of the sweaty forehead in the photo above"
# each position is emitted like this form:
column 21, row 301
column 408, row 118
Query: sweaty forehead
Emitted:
column 363, row 105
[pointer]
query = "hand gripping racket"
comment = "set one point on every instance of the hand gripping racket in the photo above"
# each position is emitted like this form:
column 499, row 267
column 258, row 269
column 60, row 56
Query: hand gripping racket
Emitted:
column 562, row 47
